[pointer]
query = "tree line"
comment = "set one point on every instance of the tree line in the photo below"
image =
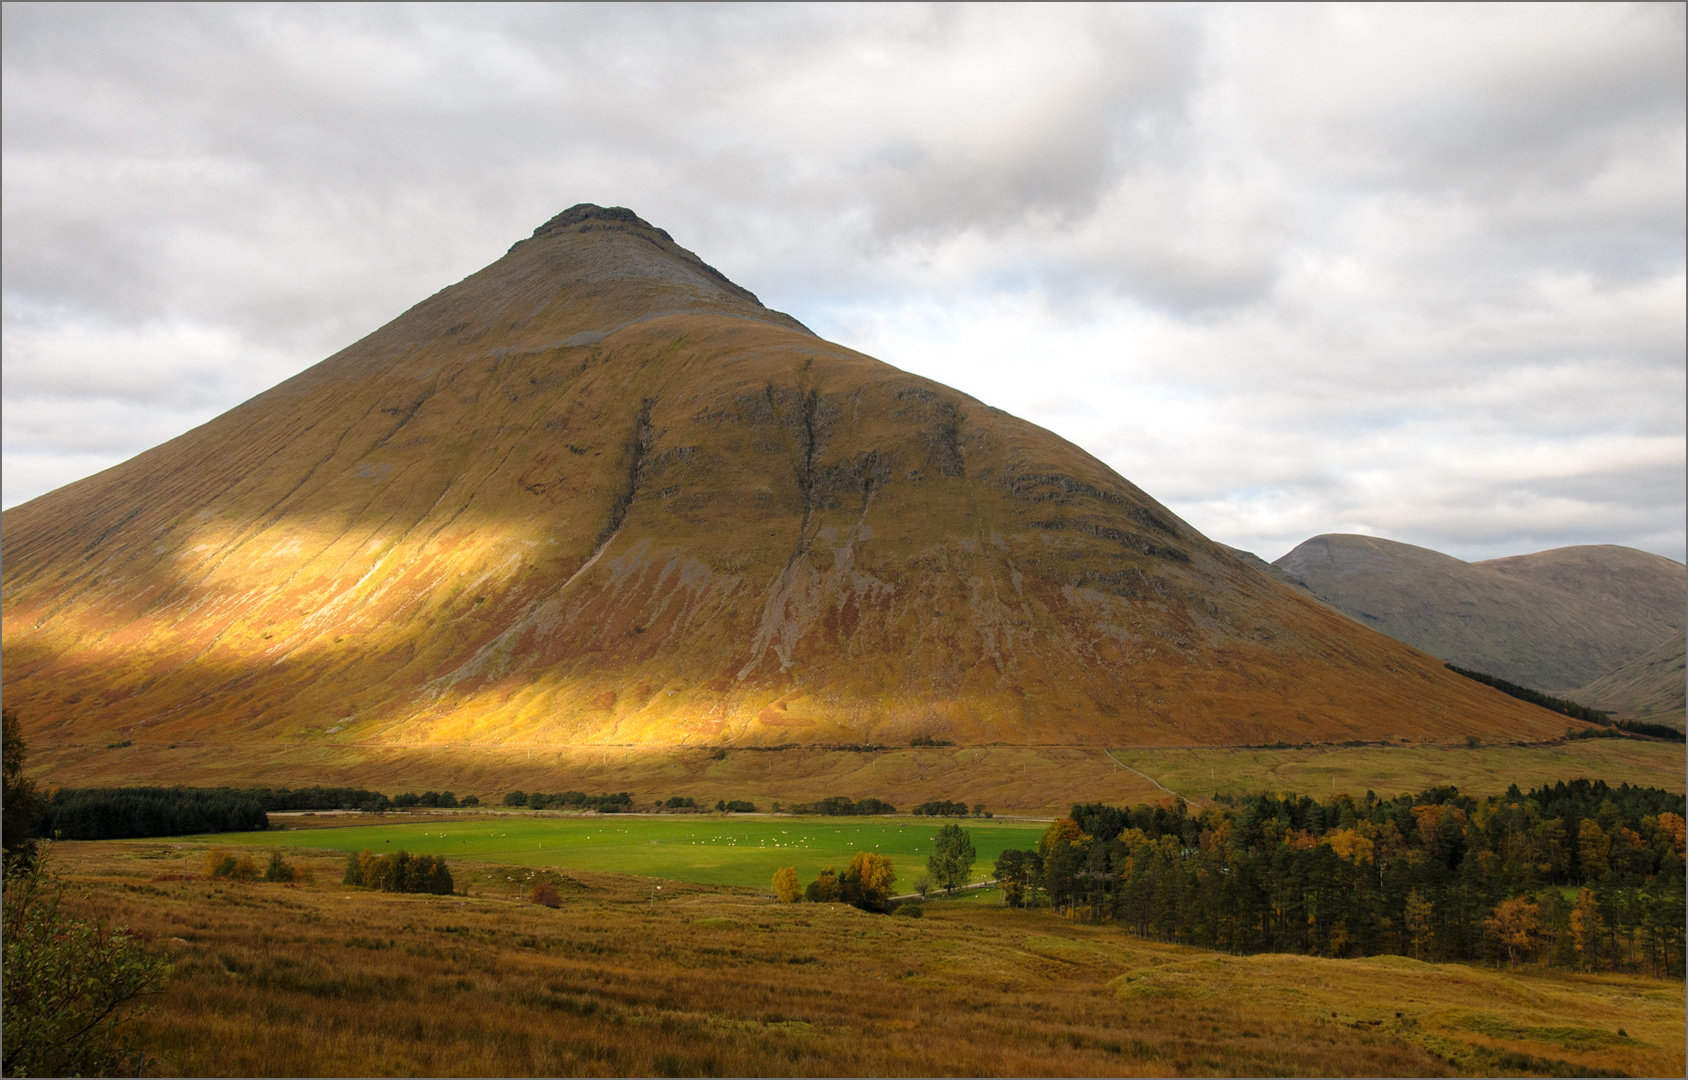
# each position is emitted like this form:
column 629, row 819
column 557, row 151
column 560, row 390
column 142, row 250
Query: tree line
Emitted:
column 1579, row 874
column 1573, row 709
column 118, row 813
column 399, row 872
column 842, row 805
column 619, row 803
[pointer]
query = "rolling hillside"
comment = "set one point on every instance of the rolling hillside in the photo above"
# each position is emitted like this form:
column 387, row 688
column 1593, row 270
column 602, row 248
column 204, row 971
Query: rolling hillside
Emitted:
column 1652, row 688
column 597, row 495
column 1554, row 620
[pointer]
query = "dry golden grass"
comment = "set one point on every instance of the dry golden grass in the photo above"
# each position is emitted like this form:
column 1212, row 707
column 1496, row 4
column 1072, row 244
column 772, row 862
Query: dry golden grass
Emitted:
column 1042, row 780
column 321, row 980
column 1199, row 772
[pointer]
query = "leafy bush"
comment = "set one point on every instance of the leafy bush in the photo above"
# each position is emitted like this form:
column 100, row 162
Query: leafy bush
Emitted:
column 735, row 806
column 68, row 985
column 546, row 893
column 220, row 864
column 825, row 889
column 927, row 740
column 941, row 808
column 279, row 869
column 910, row 910
column 785, row 885
column 516, row 798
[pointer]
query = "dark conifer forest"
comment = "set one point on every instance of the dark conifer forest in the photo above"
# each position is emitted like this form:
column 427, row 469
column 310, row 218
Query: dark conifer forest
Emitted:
column 1578, row 874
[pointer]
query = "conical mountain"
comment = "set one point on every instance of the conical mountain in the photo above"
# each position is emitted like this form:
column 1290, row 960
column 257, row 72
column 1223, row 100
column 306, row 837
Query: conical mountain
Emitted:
column 598, row 495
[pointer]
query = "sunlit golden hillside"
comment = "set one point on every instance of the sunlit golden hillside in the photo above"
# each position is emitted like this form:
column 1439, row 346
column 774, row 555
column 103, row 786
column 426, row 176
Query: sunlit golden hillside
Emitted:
column 596, row 495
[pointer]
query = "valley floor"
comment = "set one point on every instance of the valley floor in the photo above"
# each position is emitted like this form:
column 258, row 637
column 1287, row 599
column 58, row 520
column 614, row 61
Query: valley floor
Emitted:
column 318, row 979
column 1037, row 780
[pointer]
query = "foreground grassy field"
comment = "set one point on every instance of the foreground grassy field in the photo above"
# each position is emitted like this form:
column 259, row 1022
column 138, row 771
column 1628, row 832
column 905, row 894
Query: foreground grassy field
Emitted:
column 1198, row 773
column 706, row 848
column 710, row 980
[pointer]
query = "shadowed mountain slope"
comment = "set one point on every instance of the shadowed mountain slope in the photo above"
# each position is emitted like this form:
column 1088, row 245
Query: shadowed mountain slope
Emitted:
column 1553, row 620
column 1652, row 688
column 596, row 494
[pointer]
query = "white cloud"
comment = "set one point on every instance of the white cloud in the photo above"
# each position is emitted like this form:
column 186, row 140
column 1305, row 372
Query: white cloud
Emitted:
column 1411, row 270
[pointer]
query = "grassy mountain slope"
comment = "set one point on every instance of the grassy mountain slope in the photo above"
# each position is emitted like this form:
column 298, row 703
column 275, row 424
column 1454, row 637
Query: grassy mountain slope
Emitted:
column 597, row 495
column 1650, row 688
column 1645, row 585
column 1553, row 621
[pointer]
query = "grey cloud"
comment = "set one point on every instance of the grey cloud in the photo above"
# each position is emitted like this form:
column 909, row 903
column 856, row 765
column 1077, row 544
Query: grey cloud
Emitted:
column 1334, row 248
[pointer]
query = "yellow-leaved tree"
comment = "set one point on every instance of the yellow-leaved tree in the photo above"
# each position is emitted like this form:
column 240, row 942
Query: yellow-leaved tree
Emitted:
column 1514, row 924
column 785, row 885
column 867, row 881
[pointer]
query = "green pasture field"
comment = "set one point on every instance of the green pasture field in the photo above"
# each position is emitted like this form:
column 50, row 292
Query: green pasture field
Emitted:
column 705, row 848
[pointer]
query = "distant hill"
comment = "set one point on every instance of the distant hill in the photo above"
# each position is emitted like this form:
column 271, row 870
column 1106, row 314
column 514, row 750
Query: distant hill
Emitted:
column 1652, row 688
column 1555, row 620
column 1609, row 576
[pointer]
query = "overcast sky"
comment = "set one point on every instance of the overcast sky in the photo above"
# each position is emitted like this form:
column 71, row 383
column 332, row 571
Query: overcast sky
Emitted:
column 1410, row 271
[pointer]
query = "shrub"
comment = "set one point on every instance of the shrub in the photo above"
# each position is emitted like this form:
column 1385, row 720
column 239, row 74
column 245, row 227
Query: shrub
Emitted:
column 910, row 910
column 516, row 798
column 737, row 806
column 278, row 869
column 471, row 800
column 219, row 863
column 68, row 985
column 546, row 893
column 20, row 802
column 941, row 808
column 825, row 889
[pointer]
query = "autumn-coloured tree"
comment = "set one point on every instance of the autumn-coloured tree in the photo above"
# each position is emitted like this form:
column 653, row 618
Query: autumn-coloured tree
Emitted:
column 1419, row 913
column 1673, row 826
column 546, row 893
column 785, row 885
column 1587, row 928
column 1514, row 924
column 1593, row 847
column 867, row 880
column 1349, row 844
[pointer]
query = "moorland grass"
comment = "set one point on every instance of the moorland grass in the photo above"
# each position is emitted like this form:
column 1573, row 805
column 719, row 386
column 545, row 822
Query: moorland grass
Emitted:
column 713, row 849
column 708, row 980
column 1197, row 773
